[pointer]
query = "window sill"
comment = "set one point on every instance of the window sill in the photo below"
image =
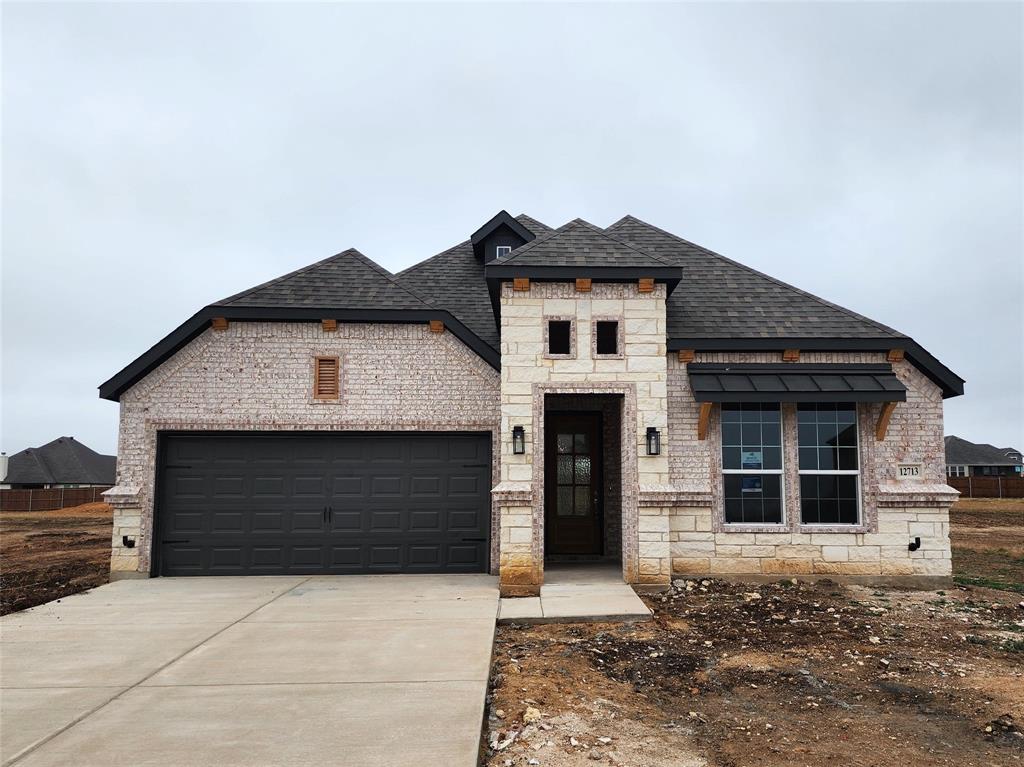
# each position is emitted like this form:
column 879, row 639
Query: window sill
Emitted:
column 743, row 527
column 832, row 529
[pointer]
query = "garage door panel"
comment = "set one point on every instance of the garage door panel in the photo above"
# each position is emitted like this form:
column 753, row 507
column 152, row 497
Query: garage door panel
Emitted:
column 251, row 503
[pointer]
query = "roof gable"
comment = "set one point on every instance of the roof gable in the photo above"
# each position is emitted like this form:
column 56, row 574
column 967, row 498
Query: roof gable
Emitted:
column 501, row 221
column 348, row 280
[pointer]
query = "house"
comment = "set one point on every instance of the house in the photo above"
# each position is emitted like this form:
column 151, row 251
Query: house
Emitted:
column 527, row 396
column 967, row 459
column 64, row 462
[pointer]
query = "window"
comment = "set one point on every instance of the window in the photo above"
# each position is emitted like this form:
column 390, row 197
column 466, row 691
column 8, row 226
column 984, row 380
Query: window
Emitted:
column 956, row 471
column 606, row 333
column 560, row 338
column 829, row 464
column 326, row 379
column 503, row 250
column 752, row 463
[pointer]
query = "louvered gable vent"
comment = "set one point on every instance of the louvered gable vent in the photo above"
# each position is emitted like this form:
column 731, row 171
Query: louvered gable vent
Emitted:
column 326, row 378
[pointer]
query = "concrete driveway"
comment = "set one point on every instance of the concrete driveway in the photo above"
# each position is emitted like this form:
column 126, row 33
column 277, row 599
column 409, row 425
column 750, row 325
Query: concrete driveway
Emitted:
column 354, row 670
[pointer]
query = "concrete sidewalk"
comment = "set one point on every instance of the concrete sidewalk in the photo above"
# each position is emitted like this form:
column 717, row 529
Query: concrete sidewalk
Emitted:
column 362, row 670
column 577, row 593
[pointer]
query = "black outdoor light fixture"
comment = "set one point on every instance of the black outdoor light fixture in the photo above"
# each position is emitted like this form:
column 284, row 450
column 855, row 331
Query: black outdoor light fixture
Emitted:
column 653, row 441
column 518, row 440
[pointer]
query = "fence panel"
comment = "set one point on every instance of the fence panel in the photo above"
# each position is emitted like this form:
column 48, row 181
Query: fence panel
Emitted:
column 988, row 487
column 49, row 499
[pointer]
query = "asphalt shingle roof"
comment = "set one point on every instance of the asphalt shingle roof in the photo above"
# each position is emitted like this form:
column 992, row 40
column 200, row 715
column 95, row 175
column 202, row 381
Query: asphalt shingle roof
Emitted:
column 720, row 298
column 960, row 452
column 64, row 461
column 454, row 280
column 580, row 243
column 348, row 280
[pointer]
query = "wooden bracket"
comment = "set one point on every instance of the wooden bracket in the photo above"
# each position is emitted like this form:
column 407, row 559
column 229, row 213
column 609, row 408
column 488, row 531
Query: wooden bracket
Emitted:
column 687, row 355
column 521, row 284
column 219, row 323
column 791, row 355
column 583, row 284
column 895, row 355
column 436, row 326
column 329, row 326
column 704, row 420
column 883, row 420
column 645, row 285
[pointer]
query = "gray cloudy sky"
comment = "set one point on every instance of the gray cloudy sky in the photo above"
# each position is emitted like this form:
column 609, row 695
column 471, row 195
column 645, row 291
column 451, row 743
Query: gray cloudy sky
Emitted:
column 159, row 157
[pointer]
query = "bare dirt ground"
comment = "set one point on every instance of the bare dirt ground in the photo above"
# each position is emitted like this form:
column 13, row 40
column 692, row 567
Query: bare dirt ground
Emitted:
column 46, row 555
column 788, row 673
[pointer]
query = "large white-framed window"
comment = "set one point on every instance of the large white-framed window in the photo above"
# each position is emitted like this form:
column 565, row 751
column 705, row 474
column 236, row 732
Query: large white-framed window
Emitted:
column 752, row 464
column 829, row 463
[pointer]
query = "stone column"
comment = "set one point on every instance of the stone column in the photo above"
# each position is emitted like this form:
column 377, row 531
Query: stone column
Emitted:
column 520, row 569
column 126, row 537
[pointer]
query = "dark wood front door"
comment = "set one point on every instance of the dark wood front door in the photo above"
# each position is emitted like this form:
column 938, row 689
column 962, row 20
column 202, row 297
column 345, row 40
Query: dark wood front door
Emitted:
column 572, row 484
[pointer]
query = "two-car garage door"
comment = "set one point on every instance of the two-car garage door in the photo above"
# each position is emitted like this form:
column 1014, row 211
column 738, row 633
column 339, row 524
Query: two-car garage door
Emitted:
column 273, row 503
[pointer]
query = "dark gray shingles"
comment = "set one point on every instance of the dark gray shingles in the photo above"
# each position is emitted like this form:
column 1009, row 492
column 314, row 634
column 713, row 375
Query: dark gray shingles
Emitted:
column 454, row 280
column 348, row 280
column 579, row 243
column 961, row 452
column 720, row 298
column 62, row 461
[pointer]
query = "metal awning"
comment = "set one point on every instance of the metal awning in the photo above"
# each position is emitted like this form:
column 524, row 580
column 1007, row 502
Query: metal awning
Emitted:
column 794, row 383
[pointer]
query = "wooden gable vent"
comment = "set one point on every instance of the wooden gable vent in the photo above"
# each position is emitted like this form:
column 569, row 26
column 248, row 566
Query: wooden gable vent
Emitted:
column 326, row 378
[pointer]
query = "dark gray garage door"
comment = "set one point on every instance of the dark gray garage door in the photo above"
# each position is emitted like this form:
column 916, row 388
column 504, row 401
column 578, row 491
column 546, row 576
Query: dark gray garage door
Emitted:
column 265, row 504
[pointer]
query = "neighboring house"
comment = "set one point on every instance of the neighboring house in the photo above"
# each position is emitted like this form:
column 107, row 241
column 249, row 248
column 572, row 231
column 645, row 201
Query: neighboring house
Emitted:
column 64, row 462
column 527, row 396
column 967, row 459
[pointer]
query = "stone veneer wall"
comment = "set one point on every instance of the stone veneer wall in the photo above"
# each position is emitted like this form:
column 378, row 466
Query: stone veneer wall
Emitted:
column 259, row 376
column 528, row 375
column 894, row 510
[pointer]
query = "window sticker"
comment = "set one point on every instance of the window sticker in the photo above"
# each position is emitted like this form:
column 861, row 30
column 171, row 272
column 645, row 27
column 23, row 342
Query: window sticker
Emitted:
column 751, row 485
column 751, row 459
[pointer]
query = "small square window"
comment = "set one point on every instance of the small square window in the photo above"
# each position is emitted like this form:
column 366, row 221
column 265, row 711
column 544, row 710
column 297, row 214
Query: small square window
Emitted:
column 559, row 337
column 503, row 250
column 607, row 337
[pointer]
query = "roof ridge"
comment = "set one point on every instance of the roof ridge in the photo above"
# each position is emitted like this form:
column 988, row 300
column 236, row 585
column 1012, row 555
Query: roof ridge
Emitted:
column 283, row 277
column 569, row 226
column 367, row 261
column 776, row 281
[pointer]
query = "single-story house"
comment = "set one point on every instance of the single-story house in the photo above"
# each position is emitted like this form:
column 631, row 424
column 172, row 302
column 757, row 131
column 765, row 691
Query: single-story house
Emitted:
column 64, row 462
column 527, row 396
column 968, row 459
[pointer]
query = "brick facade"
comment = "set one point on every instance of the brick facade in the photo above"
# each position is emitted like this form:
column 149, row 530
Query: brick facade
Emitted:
column 259, row 376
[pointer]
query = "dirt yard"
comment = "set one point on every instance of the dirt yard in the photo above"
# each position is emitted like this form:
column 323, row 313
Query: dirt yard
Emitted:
column 789, row 673
column 47, row 555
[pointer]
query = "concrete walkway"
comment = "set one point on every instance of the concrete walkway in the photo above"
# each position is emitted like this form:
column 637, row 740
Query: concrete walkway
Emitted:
column 577, row 593
column 360, row 670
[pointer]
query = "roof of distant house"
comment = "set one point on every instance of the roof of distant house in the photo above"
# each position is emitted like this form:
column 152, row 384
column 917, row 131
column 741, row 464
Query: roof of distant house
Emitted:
column 64, row 461
column 960, row 452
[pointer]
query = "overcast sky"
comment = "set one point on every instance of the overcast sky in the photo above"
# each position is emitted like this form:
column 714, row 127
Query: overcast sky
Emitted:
column 157, row 158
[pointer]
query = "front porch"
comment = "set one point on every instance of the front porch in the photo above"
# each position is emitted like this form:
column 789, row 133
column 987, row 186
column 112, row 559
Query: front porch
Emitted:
column 588, row 593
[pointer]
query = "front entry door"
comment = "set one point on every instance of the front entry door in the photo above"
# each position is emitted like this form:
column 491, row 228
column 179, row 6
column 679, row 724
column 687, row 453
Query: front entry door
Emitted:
column 572, row 484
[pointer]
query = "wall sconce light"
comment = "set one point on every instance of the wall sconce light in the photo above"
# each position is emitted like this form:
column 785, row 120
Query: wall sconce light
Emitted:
column 518, row 440
column 128, row 541
column 653, row 441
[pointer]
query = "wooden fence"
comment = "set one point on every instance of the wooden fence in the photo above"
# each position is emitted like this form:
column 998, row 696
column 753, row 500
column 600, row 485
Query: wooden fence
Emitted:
column 51, row 499
column 988, row 487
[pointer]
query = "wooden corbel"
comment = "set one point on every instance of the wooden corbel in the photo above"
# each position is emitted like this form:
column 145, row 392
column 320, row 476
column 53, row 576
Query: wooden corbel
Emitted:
column 645, row 285
column 583, row 284
column 895, row 355
column 219, row 323
column 436, row 326
column 883, row 420
column 687, row 355
column 329, row 326
column 791, row 355
column 704, row 420
column 521, row 284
